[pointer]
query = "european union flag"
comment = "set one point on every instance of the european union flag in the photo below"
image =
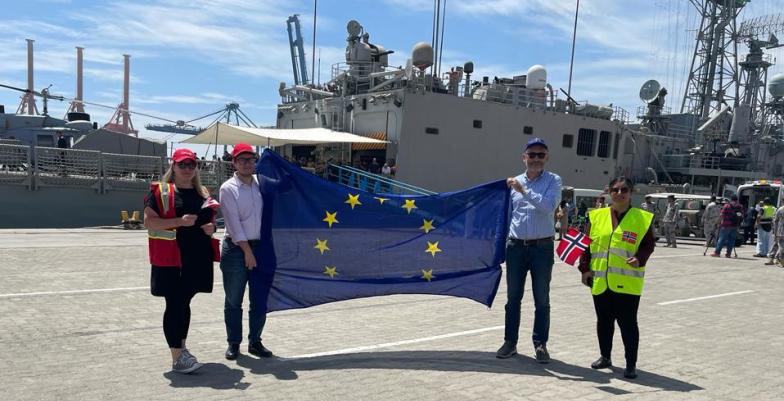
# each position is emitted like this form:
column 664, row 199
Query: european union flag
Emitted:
column 323, row 242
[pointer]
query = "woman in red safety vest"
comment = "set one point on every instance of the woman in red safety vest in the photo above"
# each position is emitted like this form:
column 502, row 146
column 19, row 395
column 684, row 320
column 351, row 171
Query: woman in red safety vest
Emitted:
column 180, row 220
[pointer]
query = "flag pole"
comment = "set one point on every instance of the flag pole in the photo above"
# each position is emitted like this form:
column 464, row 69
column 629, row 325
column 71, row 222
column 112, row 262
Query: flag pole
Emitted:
column 574, row 39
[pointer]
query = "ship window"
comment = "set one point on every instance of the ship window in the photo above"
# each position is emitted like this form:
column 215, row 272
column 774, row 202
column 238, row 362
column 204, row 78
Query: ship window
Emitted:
column 45, row 141
column 477, row 123
column 528, row 130
column 431, row 130
column 323, row 120
column 568, row 141
column 604, row 144
column 615, row 145
column 585, row 142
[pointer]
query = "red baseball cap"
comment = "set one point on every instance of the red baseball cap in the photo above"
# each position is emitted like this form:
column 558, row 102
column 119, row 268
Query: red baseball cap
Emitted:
column 183, row 154
column 242, row 148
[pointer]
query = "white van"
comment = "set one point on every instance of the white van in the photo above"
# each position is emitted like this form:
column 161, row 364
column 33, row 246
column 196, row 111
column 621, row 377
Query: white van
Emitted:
column 587, row 197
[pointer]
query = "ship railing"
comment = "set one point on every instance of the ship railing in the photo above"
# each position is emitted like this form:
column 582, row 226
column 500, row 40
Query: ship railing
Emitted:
column 214, row 172
column 368, row 76
column 15, row 165
column 130, row 172
column 359, row 179
column 691, row 161
column 756, row 58
column 67, row 168
column 496, row 95
column 621, row 115
column 656, row 111
column 37, row 167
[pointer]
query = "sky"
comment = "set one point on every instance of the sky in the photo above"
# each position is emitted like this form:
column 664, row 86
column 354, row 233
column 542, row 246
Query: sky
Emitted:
column 190, row 58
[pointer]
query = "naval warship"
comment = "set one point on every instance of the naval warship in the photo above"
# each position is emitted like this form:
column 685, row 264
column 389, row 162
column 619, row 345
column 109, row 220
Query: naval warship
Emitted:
column 453, row 133
column 444, row 132
column 450, row 131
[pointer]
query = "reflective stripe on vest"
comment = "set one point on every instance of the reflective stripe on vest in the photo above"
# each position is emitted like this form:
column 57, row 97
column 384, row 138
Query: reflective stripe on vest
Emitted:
column 617, row 270
column 162, row 234
column 615, row 251
column 165, row 196
column 166, row 199
column 610, row 249
column 163, row 248
column 626, row 272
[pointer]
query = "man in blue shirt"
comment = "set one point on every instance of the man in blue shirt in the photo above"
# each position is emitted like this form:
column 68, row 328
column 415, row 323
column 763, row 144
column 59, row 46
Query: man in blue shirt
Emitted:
column 535, row 196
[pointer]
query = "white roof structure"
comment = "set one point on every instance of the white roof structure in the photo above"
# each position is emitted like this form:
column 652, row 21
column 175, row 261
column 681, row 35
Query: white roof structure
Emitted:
column 227, row 134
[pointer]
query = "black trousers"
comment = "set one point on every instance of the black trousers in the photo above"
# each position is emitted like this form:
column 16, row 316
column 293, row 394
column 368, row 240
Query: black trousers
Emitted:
column 611, row 306
column 177, row 317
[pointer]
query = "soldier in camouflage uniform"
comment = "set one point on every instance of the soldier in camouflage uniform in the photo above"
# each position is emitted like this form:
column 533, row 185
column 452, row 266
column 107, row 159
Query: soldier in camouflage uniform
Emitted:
column 710, row 222
column 776, row 253
column 670, row 221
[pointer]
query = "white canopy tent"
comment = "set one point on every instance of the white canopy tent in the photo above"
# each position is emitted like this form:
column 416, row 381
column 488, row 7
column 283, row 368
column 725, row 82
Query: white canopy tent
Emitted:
column 227, row 134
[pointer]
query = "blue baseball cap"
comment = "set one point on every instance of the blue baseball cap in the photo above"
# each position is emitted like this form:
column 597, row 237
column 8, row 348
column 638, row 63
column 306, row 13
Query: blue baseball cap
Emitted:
column 536, row 142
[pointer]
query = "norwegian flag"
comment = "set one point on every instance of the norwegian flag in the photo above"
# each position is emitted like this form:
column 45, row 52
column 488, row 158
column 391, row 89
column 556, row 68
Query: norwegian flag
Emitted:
column 629, row 237
column 210, row 203
column 572, row 246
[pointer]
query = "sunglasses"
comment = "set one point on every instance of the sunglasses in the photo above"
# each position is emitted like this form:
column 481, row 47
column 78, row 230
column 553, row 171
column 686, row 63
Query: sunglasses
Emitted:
column 621, row 190
column 186, row 165
column 536, row 155
column 245, row 160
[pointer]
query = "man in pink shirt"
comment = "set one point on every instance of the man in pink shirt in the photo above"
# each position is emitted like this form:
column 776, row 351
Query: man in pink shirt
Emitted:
column 241, row 205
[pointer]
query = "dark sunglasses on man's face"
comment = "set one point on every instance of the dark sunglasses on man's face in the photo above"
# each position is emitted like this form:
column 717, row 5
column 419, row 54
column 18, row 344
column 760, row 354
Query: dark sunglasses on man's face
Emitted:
column 244, row 160
column 186, row 165
column 621, row 190
column 536, row 155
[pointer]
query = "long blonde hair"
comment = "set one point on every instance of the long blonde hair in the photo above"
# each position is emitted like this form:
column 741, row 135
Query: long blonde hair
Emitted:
column 195, row 181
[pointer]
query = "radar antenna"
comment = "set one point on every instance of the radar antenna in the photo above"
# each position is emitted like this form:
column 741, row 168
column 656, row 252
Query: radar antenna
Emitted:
column 649, row 90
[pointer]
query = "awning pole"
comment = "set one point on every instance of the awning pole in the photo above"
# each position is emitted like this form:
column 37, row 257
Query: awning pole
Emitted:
column 216, row 136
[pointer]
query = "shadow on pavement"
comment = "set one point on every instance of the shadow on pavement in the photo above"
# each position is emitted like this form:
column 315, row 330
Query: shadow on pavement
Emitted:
column 455, row 361
column 212, row 375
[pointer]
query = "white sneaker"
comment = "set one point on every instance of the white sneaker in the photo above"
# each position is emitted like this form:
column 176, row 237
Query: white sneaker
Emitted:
column 186, row 364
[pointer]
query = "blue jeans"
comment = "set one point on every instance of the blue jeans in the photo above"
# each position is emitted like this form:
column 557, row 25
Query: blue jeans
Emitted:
column 520, row 259
column 235, row 278
column 763, row 241
column 726, row 235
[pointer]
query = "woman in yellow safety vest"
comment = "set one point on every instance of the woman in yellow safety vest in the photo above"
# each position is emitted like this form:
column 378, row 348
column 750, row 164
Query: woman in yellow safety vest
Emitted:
column 179, row 216
column 622, row 242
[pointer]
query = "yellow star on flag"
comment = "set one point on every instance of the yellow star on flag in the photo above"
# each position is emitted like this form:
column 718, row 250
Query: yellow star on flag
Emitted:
column 331, row 218
column 409, row 205
column 331, row 271
column 353, row 200
column 380, row 200
column 432, row 247
column 427, row 226
column 428, row 275
column 321, row 245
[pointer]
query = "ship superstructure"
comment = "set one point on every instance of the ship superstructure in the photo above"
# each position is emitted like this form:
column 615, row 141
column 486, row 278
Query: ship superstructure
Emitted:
column 728, row 129
column 451, row 133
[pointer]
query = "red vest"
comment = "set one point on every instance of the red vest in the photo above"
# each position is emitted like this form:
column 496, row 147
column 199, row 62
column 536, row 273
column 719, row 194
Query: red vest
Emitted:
column 163, row 243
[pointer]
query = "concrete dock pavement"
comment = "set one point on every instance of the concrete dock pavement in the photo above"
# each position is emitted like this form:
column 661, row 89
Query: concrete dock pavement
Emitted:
column 77, row 322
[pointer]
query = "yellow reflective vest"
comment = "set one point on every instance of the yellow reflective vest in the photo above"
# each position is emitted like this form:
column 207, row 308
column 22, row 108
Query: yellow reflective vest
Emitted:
column 768, row 212
column 610, row 249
